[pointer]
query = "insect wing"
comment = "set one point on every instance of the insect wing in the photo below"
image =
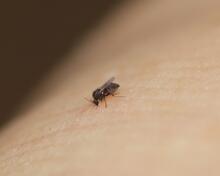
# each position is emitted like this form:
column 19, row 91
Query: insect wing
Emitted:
column 107, row 83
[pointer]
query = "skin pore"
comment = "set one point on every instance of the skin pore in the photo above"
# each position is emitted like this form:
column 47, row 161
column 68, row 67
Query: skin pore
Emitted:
column 165, row 56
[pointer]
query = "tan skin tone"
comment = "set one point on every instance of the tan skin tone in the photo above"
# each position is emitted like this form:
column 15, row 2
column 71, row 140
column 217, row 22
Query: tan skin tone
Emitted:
column 166, row 60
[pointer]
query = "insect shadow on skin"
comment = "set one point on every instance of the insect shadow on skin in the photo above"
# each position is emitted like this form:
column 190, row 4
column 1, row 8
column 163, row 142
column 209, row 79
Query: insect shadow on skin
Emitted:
column 100, row 94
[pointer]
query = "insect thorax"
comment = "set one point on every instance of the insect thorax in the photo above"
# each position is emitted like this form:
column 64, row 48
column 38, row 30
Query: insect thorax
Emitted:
column 96, row 94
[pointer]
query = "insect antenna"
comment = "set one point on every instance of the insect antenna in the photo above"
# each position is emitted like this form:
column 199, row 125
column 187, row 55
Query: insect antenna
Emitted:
column 88, row 100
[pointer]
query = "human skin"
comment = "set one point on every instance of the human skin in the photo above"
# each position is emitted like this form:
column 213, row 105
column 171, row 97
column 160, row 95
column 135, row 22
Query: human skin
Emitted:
column 165, row 56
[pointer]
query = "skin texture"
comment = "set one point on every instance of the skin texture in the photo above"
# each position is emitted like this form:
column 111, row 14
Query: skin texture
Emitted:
column 165, row 56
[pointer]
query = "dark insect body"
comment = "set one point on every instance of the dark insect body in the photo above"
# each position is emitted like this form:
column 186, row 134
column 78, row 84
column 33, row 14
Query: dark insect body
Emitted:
column 108, row 88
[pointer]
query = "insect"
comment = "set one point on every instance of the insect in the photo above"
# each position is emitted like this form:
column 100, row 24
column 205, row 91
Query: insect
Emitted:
column 108, row 88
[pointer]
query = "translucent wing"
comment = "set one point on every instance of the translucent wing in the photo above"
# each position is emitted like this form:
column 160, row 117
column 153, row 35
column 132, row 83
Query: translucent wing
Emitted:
column 107, row 83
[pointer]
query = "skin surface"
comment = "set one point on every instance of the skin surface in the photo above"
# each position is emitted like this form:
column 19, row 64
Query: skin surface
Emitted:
column 165, row 56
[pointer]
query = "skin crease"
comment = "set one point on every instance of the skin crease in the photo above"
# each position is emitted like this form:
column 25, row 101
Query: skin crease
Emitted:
column 165, row 56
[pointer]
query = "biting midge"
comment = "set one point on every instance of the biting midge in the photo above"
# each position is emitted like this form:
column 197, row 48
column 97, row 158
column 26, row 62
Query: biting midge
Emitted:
column 108, row 88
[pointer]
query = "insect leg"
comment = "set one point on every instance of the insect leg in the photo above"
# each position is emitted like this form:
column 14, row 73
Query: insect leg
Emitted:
column 116, row 95
column 105, row 102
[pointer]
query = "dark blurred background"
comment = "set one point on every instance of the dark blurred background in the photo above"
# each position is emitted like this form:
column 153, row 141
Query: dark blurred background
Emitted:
column 35, row 35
